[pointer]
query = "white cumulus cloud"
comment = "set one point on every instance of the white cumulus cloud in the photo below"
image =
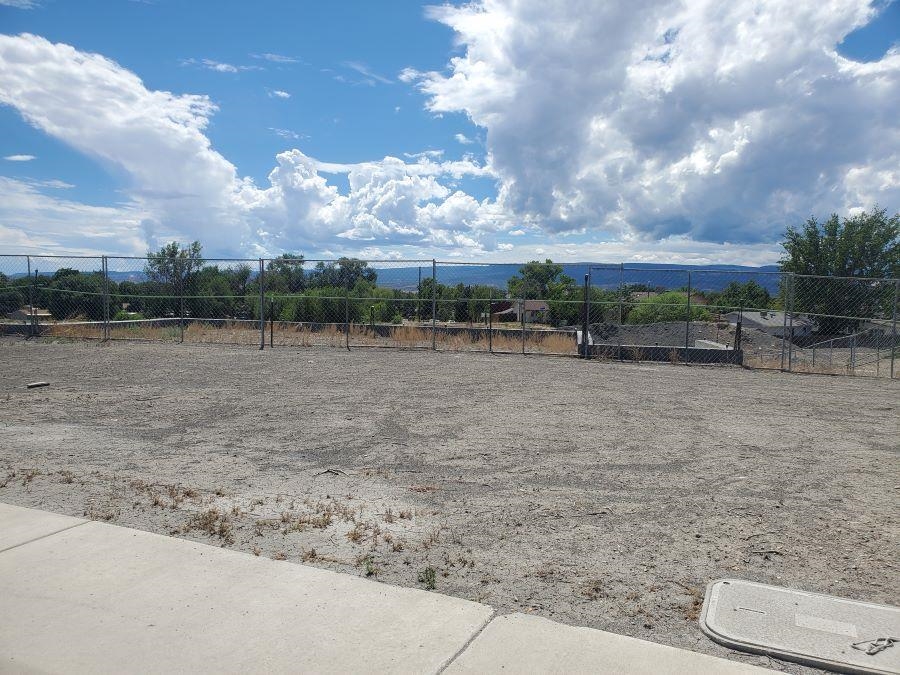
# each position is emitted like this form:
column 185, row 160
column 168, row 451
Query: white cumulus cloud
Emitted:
column 19, row 158
column 717, row 121
column 179, row 186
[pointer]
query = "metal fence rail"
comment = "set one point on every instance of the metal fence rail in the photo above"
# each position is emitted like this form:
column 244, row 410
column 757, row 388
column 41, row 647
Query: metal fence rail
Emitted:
column 760, row 319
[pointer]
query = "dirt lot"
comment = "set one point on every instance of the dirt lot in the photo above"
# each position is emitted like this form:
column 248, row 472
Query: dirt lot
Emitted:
column 597, row 494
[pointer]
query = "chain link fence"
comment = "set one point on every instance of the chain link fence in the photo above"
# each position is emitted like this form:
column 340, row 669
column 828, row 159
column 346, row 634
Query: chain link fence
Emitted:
column 759, row 319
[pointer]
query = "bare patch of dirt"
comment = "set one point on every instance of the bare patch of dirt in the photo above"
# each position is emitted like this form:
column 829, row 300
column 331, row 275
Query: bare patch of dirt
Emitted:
column 597, row 494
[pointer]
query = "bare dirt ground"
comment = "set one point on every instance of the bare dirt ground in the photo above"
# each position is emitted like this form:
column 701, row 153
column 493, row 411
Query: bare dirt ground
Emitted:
column 597, row 494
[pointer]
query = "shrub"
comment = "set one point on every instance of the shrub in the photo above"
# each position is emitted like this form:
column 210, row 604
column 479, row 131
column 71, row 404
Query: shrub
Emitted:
column 669, row 306
column 122, row 315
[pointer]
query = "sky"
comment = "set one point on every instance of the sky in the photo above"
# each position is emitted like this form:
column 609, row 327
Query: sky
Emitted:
column 491, row 130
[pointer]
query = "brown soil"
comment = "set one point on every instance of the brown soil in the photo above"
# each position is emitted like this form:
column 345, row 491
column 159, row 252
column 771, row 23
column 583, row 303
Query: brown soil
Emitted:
column 597, row 494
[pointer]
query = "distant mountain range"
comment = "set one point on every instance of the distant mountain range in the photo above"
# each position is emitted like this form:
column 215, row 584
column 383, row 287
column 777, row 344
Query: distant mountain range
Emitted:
column 703, row 277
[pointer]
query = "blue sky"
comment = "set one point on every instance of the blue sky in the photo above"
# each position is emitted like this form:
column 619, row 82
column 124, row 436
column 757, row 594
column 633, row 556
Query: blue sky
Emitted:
column 485, row 131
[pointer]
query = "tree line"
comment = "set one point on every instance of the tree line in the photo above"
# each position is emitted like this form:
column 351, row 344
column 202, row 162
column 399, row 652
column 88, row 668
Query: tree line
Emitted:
column 177, row 281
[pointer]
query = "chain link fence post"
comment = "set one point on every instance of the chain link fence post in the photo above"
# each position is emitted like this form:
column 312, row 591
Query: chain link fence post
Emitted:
column 104, row 331
column 32, row 310
column 621, row 308
column 894, row 326
column 347, row 317
column 490, row 325
column 29, row 326
column 586, row 320
column 262, row 304
column 789, row 282
column 687, row 324
column 522, row 321
column 181, row 311
column 433, row 304
column 790, row 364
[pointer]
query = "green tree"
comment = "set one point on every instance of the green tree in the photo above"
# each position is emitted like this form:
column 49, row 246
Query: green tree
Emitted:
column 864, row 245
column 76, row 295
column 174, row 265
column 286, row 273
column 735, row 295
column 10, row 297
column 535, row 279
column 64, row 272
column 670, row 306
column 344, row 273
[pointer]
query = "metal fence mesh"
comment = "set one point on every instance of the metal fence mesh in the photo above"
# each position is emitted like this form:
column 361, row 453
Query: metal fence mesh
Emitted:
column 758, row 318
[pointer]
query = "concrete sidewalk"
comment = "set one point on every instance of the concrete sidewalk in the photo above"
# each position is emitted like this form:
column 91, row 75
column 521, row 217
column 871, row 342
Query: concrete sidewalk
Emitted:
column 82, row 596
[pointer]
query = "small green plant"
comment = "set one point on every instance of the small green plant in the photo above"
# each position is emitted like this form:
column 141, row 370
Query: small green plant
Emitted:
column 122, row 315
column 371, row 570
column 428, row 576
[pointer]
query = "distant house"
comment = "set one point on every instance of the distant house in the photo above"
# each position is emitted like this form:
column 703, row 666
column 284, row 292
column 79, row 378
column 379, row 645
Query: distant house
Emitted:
column 24, row 314
column 513, row 310
column 773, row 323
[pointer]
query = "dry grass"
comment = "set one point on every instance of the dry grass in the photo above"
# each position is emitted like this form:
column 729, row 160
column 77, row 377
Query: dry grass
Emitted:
column 304, row 335
column 214, row 523
column 593, row 590
column 538, row 341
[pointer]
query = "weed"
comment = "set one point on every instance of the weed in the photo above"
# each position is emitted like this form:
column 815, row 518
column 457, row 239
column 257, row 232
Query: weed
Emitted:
column 593, row 590
column 256, row 550
column 545, row 571
column 433, row 537
column 406, row 514
column 397, row 546
column 369, row 563
column 67, row 477
column 428, row 576
column 220, row 492
column 281, row 555
column 9, row 476
column 107, row 514
column 212, row 522
column 695, row 604
column 423, row 488
column 309, row 556
column 322, row 521
column 29, row 476
column 389, row 516
column 356, row 534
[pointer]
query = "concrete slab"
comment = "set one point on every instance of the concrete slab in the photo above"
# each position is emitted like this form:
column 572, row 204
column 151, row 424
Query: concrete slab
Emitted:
column 818, row 630
column 19, row 525
column 103, row 599
column 518, row 643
